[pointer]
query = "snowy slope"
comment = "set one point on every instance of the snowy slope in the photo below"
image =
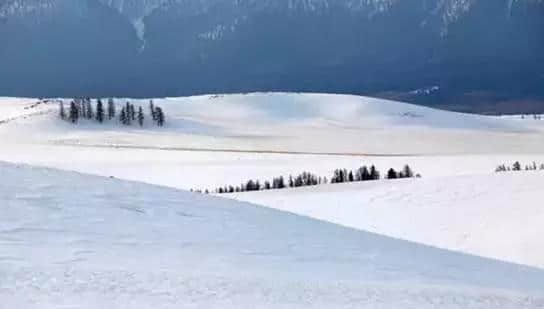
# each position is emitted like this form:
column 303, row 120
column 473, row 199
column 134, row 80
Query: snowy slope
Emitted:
column 71, row 240
column 270, row 130
column 307, row 123
column 212, row 141
column 497, row 216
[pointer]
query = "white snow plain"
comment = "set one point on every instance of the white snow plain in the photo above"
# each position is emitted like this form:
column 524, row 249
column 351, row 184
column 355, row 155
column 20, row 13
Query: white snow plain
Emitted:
column 123, row 244
column 69, row 240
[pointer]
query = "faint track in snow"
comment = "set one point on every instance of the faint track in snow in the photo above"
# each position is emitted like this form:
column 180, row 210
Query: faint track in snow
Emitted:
column 28, row 115
column 232, row 150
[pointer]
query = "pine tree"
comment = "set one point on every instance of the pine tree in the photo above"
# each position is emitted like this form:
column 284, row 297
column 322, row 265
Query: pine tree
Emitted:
column 127, row 116
column 374, row 174
column 79, row 108
column 74, row 113
column 407, row 172
column 111, row 109
column 160, row 116
column 392, row 174
column 89, row 114
column 250, row 186
column 82, row 109
column 152, row 110
column 62, row 112
column 281, row 183
column 132, row 113
column 123, row 116
column 140, row 116
column 99, row 111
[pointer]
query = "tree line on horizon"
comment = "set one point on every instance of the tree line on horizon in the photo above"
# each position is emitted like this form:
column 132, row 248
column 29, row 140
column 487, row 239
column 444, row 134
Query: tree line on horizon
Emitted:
column 517, row 167
column 82, row 108
column 305, row 179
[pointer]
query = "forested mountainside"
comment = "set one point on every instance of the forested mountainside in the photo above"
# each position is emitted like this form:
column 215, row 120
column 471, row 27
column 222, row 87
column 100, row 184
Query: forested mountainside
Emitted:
column 476, row 55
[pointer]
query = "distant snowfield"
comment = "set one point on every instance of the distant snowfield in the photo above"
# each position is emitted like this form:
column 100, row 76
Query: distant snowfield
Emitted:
column 460, row 204
column 497, row 216
column 75, row 241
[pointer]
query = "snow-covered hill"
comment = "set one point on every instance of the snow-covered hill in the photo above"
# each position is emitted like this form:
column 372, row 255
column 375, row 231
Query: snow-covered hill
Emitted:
column 72, row 240
column 299, row 123
column 496, row 216
column 228, row 139
column 460, row 204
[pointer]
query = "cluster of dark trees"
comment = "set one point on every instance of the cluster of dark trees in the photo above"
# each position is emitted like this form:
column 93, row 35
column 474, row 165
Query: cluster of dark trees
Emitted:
column 535, row 116
column 365, row 173
column 82, row 108
column 305, row 179
column 302, row 180
column 156, row 114
column 516, row 167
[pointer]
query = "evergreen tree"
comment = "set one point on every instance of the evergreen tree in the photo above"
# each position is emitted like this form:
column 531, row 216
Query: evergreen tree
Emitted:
column 132, row 113
column 407, row 172
column 160, row 116
column 80, row 108
column 365, row 174
column 140, row 116
column 152, row 110
column 111, row 109
column 83, row 110
column 62, row 112
column 128, row 116
column 281, row 183
column 99, row 111
column 123, row 116
column 374, row 174
column 74, row 113
column 392, row 174
column 250, row 186
column 89, row 114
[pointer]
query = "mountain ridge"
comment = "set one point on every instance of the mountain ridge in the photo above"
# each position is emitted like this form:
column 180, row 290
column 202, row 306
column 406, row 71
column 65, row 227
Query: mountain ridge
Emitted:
column 476, row 55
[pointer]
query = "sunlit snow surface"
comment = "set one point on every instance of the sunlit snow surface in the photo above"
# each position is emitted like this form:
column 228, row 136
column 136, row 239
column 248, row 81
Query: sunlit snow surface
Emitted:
column 71, row 240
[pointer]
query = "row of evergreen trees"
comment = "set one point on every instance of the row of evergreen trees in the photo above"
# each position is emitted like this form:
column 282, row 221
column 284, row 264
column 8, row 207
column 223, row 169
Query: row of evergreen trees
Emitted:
column 305, row 179
column 516, row 167
column 534, row 116
column 83, row 109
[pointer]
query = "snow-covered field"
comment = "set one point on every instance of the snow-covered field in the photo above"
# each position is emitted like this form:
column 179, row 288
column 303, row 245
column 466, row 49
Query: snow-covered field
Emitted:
column 498, row 216
column 106, row 242
column 75, row 241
